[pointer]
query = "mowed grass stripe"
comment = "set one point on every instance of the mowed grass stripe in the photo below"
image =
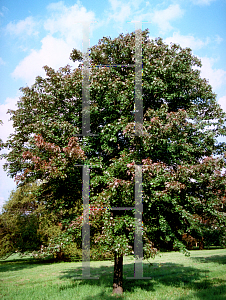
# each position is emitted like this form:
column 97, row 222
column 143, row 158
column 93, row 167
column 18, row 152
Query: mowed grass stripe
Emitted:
column 174, row 276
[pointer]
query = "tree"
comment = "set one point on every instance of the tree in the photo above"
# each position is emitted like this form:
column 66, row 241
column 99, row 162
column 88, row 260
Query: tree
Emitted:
column 27, row 227
column 19, row 223
column 181, row 160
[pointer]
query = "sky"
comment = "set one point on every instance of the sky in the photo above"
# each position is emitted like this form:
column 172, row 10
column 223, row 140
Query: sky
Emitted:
column 38, row 33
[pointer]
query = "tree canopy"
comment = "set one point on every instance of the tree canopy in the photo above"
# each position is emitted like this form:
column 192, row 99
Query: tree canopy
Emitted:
column 182, row 162
column 19, row 223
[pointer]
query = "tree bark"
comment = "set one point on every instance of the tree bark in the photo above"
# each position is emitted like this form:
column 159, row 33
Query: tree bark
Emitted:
column 201, row 244
column 118, row 274
column 60, row 255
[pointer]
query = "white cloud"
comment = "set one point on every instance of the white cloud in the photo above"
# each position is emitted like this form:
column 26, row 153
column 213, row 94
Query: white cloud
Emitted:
column 26, row 26
column 218, row 39
column 216, row 77
column 163, row 17
column 121, row 11
column 115, row 4
column 187, row 41
column 67, row 21
column 7, row 184
column 7, row 128
column 222, row 102
column 56, row 6
column 64, row 28
column 54, row 53
column 3, row 11
column 202, row 2
column 2, row 62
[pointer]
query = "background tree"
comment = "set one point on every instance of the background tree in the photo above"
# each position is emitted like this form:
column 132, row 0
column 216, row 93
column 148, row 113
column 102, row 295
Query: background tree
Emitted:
column 27, row 227
column 19, row 223
column 177, row 149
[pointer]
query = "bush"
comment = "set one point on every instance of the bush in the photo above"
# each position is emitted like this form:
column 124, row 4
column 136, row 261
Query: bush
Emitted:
column 72, row 252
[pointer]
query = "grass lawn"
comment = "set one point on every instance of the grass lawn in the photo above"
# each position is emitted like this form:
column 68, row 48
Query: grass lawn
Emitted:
column 174, row 276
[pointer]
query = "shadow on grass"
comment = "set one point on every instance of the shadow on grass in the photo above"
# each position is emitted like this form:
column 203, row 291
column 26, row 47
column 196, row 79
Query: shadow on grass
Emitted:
column 208, row 290
column 168, row 274
column 219, row 259
column 22, row 263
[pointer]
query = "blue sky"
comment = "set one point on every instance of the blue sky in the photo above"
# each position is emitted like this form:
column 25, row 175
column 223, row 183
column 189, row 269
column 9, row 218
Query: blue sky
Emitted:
column 38, row 33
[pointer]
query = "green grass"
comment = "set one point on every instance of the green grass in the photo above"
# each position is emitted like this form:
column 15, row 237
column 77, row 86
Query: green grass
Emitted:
column 174, row 276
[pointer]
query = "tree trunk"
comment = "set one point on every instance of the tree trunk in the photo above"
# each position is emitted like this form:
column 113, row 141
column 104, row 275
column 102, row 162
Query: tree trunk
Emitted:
column 190, row 246
column 201, row 244
column 118, row 274
column 60, row 255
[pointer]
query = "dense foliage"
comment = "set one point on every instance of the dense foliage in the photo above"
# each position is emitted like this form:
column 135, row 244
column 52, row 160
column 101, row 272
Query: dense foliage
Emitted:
column 27, row 227
column 19, row 223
